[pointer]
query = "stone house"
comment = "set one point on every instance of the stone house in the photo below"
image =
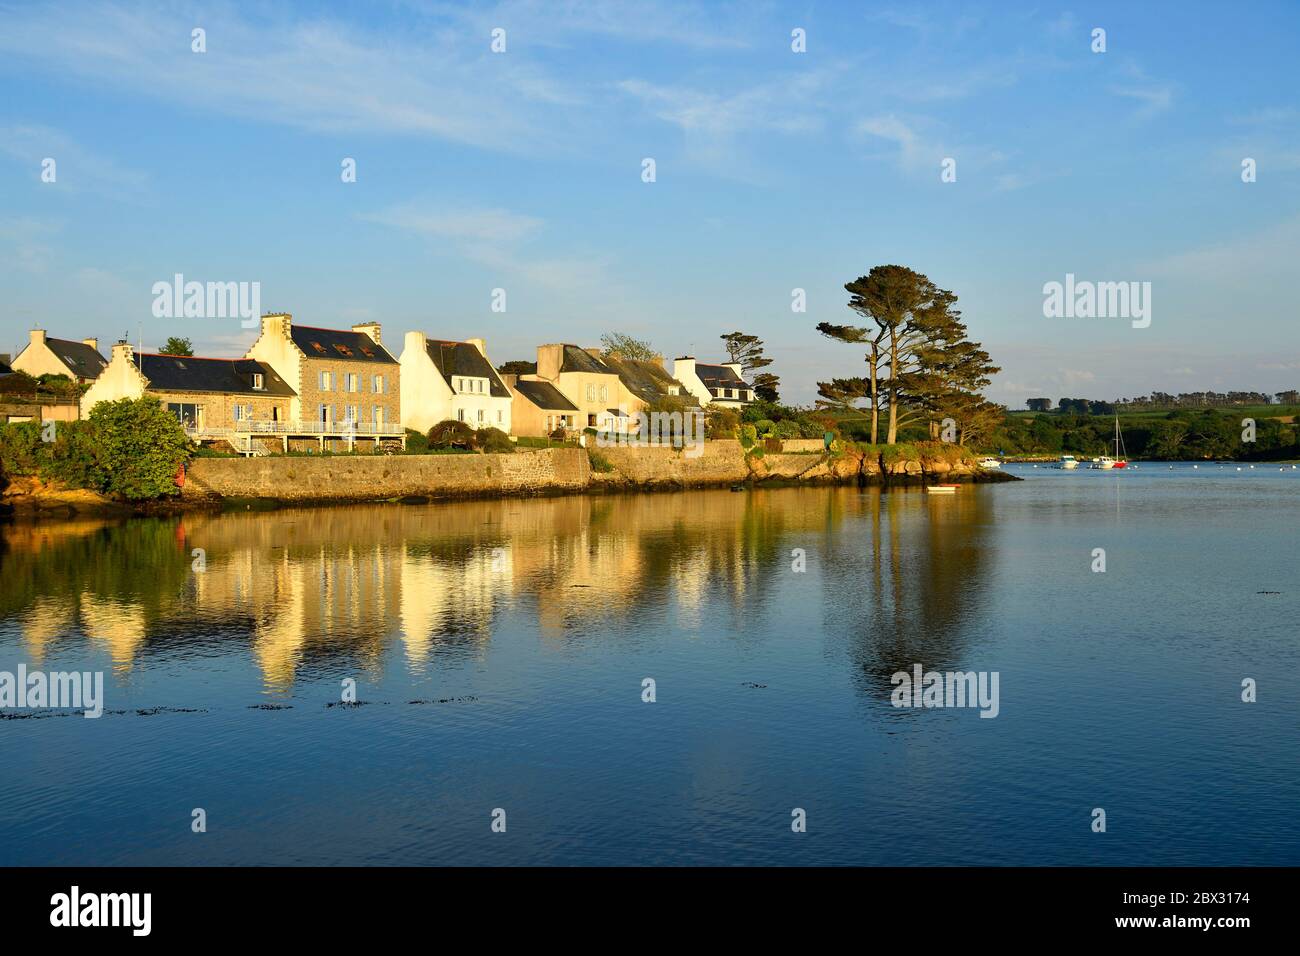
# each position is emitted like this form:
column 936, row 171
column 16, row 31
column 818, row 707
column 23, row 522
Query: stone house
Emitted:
column 593, row 387
column 444, row 380
column 235, row 400
column 346, row 384
column 538, row 408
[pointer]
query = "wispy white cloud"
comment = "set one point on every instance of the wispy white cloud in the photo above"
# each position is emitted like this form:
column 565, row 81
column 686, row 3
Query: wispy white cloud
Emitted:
column 319, row 75
column 76, row 168
column 499, row 240
column 491, row 225
column 27, row 243
column 1154, row 96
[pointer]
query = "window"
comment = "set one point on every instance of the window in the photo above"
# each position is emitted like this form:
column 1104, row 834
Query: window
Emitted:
column 460, row 414
column 258, row 384
column 591, row 419
column 324, row 414
column 326, row 381
column 351, row 380
column 365, row 350
column 604, row 393
column 320, row 349
column 377, row 415
column 591, row 395
column 351, row 413
column 379, row 385
column 498, row 416
column 343, row 350
column 480, row 415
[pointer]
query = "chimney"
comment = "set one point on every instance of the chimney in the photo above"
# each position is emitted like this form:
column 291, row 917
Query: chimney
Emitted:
column 684, row 368
column 93, row 343
column 37, row 336
column 734, row 366
column 510, row 379
column 125, row 351
column 368, row 328
column 416, row 342
column 480, row 345
column 549, row 360
column 277, row 323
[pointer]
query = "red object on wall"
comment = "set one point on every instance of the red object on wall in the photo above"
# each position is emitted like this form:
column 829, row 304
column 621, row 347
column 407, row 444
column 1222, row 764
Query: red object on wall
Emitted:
column 180, row 476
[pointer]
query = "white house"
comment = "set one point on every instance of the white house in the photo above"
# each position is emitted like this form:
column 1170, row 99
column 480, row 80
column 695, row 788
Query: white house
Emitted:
column 444, row 380
column 719, row 385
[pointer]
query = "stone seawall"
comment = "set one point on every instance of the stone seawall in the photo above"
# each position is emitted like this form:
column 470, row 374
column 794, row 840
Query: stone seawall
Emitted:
column 551, row 471
column 363, row 478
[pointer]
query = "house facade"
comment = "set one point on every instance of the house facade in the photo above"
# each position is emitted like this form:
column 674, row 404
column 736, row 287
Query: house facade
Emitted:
column 345, row 382
column 237, row 400
column 444, row 380
column 79, row 361
column 646, row 382
column 538, row 408
column 720, row 385
column 591, row 386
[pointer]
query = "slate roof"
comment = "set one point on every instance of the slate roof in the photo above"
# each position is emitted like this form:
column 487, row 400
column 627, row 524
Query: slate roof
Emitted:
column 545, row 396
column 719, row 376
column 580, row 360
column 339, row 344
column 461, row 358
column 185, row 373
column 647, row 380
column 4, row 368
column 77, row 356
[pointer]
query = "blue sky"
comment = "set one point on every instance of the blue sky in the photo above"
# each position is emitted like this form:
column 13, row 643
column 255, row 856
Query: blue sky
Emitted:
column 775, row 170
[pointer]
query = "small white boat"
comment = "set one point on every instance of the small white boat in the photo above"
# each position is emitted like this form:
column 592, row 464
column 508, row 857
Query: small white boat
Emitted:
column 990, row 463
column 941, row 489
column 1105, row 463
column 1068, row 462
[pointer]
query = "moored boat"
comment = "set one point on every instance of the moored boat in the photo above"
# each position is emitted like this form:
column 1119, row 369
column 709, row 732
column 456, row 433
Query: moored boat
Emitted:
column 990, row 463
column 1068, row 462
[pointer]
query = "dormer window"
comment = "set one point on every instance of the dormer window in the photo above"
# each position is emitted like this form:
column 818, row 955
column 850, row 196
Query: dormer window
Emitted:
column 343, row 350
column 318, row 347
column 258, row 383
column 365, row 350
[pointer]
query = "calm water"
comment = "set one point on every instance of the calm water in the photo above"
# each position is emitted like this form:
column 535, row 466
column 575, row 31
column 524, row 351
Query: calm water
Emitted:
column 500, row 649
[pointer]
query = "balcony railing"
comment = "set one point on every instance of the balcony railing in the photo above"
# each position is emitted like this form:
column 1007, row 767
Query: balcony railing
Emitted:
column 310, row 429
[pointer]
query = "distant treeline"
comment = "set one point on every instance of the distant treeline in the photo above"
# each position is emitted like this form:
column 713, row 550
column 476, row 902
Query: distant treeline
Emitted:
column 1181, row 435
column 1163, row 400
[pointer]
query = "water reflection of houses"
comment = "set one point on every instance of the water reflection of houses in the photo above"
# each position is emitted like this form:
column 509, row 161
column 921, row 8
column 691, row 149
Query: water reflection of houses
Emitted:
column 315, row 590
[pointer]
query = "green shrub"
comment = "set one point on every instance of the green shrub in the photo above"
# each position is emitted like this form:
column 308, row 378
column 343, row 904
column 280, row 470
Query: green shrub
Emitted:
column 598, row 461
column 748, row 435
column 721, row 424
column 494, row 441
column 417, row 443
column 138, row 448
column 764, row 427
column 451, row 434
column 787, row 429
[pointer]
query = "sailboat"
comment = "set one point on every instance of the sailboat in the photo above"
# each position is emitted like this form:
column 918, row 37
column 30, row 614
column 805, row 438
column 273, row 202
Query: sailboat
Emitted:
column 1105, row 462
